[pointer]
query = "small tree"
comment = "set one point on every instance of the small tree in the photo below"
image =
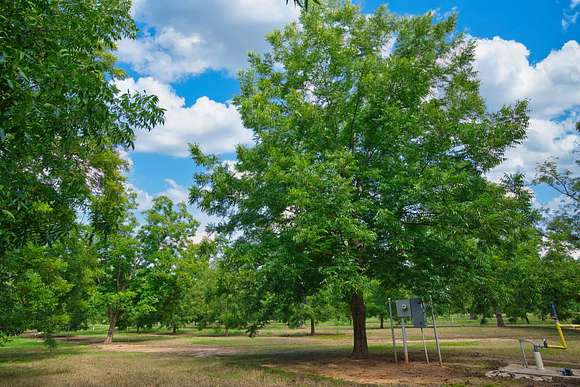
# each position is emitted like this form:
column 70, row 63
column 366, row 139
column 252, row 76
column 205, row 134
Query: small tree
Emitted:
column 167, row 242
column 114, row 228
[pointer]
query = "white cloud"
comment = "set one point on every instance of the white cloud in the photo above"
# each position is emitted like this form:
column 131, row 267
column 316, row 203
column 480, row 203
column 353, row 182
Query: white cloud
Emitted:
column 124, row 155
column 545, row 139
column 555, row 204
column 570, row 16
column 193, row 36
column 217, row 127
column 168, row 55
column 552, row 85
column 176, row 192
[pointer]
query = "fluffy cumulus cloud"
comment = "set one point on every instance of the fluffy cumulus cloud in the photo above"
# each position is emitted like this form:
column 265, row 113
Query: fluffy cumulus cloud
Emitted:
column 185, row 38
column 144, row 199
column 177, row 193
column 546, row 139
column 552, row 85
column 553, row 88
column 124, row 155
column 217, row 127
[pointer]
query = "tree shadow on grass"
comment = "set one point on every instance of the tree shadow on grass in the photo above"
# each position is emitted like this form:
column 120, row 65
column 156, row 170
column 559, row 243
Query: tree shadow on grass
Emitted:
column 17, row 372
column 285, row 355
column 89, row 340
column 16, row 355
column 333, row 335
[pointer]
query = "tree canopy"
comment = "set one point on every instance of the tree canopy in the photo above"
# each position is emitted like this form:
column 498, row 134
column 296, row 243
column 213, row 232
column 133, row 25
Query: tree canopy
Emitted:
column 371, row 147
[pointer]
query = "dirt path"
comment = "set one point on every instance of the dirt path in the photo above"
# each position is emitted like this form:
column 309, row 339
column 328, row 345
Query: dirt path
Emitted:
column 191, row 350
column 380, row 372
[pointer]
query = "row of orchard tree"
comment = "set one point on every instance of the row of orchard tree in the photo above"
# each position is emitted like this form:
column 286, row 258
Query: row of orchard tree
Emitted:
column 118, row 271
column 367, row 179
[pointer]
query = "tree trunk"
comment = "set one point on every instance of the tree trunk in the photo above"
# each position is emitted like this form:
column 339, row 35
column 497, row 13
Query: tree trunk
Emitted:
column 499, row 320
column 174, row 329
column 382, row 322
column 526, row 318
column 472, row 315
column 113, row 317
column 312, row 327
column 360, row 348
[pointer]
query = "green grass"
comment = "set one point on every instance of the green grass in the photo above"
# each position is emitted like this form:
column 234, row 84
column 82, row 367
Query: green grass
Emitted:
column 278, row 356
column 95, row 368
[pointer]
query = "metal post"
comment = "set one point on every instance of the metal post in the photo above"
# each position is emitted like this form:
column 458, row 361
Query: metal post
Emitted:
column 524, row 360
column 393, row 331
column 405, row 349
column 425, row 346
column 538, row 357
column 435, row 331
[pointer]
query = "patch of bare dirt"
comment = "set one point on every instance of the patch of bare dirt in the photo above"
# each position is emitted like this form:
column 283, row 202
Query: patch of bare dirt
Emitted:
column 382, row 372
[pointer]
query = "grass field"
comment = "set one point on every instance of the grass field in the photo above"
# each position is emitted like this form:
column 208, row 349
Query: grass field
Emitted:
column 278, row 356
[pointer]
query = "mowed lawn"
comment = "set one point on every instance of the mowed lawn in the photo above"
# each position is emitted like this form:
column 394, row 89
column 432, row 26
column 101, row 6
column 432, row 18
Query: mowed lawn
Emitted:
column 278, row 356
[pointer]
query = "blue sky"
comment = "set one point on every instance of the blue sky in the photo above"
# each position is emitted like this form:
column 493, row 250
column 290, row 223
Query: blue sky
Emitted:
column 189, row 51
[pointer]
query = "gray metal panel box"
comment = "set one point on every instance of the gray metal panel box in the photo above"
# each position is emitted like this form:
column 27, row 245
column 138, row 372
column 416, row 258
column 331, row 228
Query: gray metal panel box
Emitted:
column 418, row 313
column 404, row 308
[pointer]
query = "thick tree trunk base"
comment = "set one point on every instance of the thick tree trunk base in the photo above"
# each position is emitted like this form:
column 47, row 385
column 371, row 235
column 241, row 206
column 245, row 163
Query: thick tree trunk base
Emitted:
column 360, row 348
column 312, row 327
column 499, row 320
column 382, row 322
column 108, row 339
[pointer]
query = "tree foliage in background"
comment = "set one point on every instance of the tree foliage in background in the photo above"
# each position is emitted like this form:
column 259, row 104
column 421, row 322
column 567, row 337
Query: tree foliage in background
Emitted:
column 169, row 260
column 114, row 228
column 561, row 228
column 59, row 111
column 372, row 142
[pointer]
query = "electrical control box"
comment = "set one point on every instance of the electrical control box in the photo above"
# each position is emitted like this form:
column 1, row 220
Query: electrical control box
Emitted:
column 414, row 309
column 418, row 313
column 404, row 308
